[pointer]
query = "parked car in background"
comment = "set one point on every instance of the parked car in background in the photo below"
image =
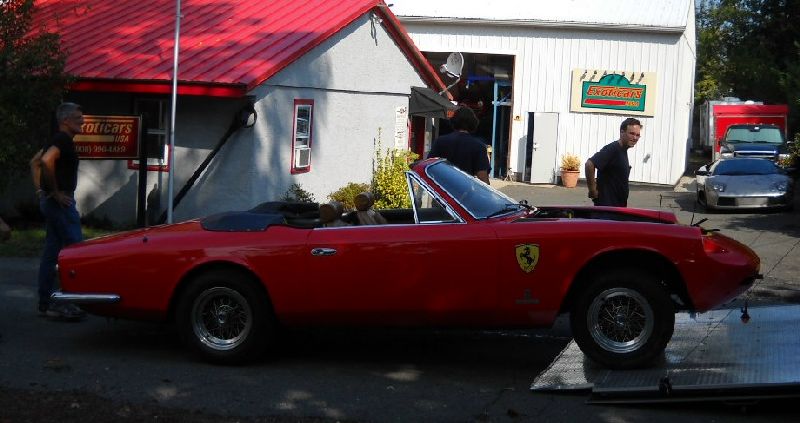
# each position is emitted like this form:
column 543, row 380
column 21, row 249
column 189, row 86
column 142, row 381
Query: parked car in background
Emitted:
column 464, row 255
column 744, row 183
column 757, row 141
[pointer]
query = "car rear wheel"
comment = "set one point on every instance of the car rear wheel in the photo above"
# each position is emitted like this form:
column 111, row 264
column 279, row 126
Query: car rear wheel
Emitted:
column 623, row 320
column 225, row 317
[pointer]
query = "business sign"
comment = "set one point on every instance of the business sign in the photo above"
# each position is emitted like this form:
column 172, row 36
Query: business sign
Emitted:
column 617, row 92
column 109, row 137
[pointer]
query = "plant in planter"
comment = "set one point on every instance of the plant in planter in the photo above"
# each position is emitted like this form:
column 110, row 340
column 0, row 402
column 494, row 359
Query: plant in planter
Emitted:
column 570, row 170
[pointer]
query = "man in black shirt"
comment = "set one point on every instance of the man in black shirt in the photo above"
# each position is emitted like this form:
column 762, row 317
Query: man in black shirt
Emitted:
column 613, row 169
column 59, row 178
column 465, row 151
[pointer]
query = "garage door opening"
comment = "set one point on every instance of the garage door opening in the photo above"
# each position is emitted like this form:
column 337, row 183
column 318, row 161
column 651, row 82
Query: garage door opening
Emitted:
column 485, row 87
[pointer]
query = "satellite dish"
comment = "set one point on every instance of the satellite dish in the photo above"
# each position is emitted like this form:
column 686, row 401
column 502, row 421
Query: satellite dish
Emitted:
column 454, row 65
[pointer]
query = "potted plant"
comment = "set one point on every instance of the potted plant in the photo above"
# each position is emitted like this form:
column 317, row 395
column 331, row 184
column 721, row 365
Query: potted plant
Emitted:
column 570, row 170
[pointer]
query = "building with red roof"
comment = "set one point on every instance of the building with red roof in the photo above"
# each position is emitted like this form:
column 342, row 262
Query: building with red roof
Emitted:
column 325, row 81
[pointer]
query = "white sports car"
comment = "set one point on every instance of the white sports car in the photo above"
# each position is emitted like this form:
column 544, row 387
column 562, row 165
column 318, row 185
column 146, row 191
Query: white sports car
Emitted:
column 741, row 183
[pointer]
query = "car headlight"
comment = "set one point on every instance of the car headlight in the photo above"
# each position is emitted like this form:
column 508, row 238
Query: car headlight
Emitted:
column 716, row 186
column 726, row 155
column 784, row 156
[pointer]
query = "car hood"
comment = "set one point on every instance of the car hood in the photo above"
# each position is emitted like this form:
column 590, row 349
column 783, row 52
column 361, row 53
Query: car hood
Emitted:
column 753, row 147
column 605, row 213
column 748, row 184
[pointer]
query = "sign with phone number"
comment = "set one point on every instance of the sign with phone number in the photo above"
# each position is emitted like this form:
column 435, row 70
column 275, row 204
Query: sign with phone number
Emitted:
column 109, row 137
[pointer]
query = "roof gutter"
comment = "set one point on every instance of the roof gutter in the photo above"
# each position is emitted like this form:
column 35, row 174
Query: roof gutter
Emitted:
column 159, row 87
column 543, row 24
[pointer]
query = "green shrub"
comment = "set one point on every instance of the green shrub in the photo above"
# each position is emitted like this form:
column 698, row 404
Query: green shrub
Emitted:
column 794, row 152
column 347, row 193
column 296, row 194
column 389, row 179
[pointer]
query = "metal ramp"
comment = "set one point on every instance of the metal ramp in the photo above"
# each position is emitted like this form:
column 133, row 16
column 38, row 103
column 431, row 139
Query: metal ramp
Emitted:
column 712, row 356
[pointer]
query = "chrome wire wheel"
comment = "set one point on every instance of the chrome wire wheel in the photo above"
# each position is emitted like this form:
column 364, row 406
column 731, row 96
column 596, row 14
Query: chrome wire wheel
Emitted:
column 620, row 320
column 221, row 318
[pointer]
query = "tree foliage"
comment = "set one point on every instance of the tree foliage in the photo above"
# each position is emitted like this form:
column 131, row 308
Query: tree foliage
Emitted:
column 32, row 81
column 749, row 49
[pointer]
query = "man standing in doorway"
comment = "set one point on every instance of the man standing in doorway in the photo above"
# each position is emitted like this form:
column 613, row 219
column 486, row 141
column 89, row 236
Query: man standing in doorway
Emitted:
column 610, row 188
column 461, row 148
column 59, row 178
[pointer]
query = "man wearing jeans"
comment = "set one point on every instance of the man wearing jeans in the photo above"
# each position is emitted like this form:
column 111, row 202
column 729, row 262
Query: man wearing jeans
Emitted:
column 59, row 178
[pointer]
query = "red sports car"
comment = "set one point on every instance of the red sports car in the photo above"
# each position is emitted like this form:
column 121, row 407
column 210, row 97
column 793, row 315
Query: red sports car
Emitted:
column 465, row 255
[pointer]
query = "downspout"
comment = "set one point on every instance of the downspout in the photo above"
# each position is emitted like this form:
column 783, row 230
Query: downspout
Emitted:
column 240, row 120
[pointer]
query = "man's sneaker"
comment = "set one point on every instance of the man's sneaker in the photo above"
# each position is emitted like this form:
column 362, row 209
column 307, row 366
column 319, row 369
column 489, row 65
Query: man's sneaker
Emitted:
column 69, row 312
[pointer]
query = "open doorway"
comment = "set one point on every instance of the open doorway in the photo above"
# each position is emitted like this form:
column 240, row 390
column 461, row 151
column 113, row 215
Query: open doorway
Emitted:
column 485, row 87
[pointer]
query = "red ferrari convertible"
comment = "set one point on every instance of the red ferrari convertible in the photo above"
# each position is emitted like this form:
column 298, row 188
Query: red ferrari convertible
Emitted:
column 465, row 255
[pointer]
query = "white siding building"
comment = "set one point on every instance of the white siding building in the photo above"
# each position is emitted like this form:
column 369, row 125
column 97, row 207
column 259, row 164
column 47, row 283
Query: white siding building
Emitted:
column 544, row 51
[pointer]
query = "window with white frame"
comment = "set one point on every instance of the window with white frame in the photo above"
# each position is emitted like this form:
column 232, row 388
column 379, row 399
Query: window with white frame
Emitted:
column 302, row 135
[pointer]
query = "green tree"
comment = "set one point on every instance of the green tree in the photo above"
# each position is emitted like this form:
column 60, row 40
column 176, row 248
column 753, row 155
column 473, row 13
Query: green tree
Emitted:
column 32, row 82
column 749, row 49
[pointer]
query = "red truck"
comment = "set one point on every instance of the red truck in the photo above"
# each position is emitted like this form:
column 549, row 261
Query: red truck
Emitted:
column 743, row 129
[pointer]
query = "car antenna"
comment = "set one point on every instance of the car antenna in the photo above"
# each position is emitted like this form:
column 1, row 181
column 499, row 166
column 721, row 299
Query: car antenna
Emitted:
column 745, row 315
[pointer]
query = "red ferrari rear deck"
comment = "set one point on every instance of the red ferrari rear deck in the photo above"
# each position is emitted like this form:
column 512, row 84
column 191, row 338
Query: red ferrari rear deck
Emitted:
column 713, row 356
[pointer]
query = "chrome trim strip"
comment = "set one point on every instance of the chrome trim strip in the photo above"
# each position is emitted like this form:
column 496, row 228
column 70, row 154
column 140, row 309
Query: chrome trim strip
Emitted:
column 76, row 298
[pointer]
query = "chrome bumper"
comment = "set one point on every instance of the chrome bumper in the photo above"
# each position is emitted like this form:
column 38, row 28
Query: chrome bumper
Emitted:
column 75, row 298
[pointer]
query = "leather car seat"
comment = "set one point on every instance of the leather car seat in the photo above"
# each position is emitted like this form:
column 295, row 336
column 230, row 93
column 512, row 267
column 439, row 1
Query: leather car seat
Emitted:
column 364, row 212
column 330, row 214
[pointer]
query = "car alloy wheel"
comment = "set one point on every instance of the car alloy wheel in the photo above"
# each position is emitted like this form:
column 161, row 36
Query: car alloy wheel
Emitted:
column 620, row 320
column 221, row 318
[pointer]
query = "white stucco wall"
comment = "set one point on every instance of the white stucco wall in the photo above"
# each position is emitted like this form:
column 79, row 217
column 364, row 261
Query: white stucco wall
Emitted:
column 108, row 189
column 356, row 79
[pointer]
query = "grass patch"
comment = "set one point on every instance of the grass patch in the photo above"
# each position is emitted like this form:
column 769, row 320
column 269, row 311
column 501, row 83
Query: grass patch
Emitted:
column 29, row 241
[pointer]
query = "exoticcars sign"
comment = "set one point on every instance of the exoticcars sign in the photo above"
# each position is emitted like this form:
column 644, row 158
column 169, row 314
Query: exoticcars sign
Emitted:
column 619, row 92
column 109, row 137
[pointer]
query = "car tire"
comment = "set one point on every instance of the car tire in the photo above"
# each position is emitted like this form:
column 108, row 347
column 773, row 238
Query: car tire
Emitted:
column 624, row 319
column 225, row 317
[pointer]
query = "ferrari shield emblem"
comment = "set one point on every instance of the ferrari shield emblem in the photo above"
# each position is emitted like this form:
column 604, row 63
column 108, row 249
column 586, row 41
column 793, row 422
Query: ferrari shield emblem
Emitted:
column 527, row 256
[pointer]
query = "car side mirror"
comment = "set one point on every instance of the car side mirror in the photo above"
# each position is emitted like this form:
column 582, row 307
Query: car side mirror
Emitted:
column 701, row 172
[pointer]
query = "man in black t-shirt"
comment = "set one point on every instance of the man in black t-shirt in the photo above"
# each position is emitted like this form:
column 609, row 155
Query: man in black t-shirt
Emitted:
column 611, row 162
column 59, row 178
column 464, row 150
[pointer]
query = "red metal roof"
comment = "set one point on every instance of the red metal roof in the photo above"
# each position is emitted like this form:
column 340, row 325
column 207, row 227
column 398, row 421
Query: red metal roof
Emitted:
column 227, row 47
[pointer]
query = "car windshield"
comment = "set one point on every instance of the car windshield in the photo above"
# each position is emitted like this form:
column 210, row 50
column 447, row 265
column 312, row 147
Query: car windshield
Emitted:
column 755, row 134
column 745, row 167
column 478, row 198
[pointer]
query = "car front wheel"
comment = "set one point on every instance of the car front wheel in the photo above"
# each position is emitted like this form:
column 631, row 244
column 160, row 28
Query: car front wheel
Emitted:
column 225, row 317
column 623, row 320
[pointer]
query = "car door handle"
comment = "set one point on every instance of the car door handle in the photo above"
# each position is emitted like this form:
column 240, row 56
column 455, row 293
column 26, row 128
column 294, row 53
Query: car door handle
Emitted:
column 323, row 252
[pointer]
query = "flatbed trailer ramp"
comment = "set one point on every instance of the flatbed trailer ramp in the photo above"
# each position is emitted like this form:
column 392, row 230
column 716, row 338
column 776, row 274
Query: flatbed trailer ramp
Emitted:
column 712, row 356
